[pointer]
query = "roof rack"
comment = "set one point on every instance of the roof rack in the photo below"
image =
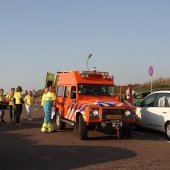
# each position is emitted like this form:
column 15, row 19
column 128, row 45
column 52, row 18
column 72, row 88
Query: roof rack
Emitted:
column 64, row 71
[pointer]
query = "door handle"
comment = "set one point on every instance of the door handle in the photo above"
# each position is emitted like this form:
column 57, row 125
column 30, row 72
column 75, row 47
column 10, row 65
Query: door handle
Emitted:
column 164, row 112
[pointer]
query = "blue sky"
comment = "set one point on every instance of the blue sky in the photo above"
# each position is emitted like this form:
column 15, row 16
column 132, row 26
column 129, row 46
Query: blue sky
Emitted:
column 124, row 36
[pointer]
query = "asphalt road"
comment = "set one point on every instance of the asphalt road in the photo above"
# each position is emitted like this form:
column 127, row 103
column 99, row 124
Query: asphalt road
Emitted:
column 26, row 148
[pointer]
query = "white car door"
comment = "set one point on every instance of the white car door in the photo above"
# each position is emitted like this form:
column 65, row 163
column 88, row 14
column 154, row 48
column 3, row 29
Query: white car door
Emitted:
column 161, row 112
column 144, row 111
column 140, row 114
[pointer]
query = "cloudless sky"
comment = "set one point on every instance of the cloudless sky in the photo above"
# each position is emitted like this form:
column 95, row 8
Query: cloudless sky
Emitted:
column 124, row 36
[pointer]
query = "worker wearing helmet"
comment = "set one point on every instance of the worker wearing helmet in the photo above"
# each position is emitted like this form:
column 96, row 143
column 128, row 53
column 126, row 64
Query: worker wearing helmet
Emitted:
column 49, row 98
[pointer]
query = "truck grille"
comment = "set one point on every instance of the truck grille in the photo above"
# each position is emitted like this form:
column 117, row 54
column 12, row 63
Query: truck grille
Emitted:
column 112, row 113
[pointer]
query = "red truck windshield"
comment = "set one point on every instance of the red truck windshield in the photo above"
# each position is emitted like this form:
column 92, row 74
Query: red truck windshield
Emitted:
column 96, row 89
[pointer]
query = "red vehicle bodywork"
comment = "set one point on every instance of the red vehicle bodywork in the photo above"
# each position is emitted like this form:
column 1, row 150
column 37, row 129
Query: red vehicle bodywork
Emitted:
column 94, row 103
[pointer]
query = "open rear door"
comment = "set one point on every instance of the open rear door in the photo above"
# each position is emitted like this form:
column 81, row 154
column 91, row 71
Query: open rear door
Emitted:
column 50, row 79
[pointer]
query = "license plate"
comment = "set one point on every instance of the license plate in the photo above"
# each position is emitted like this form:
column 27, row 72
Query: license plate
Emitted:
column 113, row 116
column 115, row 124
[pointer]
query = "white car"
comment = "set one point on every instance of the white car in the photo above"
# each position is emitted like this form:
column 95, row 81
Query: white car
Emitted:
column 154, row 112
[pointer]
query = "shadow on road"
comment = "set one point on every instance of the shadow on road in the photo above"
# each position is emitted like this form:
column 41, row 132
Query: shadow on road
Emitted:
column 148, row 134
column 19, row 152
column 25, row 124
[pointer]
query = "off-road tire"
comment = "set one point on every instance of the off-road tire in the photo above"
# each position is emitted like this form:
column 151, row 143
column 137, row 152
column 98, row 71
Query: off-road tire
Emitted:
column 82, row 128
column 126, row 132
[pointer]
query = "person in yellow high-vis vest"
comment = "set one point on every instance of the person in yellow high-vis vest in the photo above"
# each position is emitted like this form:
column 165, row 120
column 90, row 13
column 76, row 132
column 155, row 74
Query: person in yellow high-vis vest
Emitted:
column 43, row 96
column 10, row 99
column 18, row 101
column 29, row 101
column 2, row 109
column 49, row 98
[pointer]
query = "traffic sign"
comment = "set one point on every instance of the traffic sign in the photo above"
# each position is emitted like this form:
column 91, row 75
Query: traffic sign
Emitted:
column 150, row 70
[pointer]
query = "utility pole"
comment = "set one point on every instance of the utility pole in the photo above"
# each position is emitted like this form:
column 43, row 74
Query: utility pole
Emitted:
column 88, row 61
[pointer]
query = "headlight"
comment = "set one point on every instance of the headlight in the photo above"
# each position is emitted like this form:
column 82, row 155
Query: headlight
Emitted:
column 94, row 113
column 127, row 113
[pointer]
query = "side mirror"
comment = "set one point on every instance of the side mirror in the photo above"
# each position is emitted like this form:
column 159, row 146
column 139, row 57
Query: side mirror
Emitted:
column 139, row 105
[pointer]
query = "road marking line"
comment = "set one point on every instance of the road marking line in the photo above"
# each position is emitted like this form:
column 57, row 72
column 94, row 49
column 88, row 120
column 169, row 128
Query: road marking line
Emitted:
column 143, row 134
column 164, row 140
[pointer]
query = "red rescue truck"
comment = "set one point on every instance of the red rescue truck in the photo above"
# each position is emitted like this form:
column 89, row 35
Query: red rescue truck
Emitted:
column 87, row 100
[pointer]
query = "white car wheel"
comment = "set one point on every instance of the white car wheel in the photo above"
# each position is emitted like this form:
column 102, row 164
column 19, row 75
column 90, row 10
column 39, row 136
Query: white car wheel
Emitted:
column 168, row 129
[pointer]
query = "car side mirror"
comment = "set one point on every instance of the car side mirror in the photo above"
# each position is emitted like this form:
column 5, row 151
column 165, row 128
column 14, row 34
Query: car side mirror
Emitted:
column 139, row 105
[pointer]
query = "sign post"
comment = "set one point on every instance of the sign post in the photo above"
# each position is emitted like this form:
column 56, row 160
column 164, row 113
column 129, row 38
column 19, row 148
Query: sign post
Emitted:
column 151, row 74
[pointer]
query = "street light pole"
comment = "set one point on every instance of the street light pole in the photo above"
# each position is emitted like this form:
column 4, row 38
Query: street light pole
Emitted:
column 88, row 61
